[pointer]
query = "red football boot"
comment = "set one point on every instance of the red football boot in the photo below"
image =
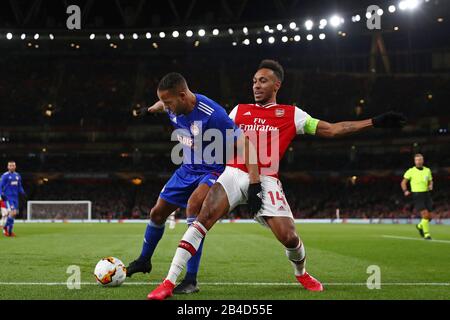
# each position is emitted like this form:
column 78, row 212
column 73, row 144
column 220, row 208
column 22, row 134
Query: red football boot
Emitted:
column 5, row 232
column 164, row 290
column 12, row 234
column 309, row 283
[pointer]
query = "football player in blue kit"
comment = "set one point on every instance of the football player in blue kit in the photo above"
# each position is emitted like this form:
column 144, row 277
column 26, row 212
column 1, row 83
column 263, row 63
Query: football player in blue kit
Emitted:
column 11, row 187
column 191, row 114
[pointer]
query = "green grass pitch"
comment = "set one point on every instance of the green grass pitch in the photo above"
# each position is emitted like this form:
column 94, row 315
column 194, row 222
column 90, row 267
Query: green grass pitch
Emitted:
column 241, row 261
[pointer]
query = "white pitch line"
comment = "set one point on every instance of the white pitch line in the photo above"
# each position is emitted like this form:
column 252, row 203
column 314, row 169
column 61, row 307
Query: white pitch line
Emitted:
column 233, row 284
column 417, row 239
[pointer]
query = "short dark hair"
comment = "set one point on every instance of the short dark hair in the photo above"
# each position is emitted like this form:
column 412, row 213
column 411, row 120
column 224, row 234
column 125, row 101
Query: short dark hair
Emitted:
column 418, row 155
column 172, row 81
column 11, row 161
column 273, row 65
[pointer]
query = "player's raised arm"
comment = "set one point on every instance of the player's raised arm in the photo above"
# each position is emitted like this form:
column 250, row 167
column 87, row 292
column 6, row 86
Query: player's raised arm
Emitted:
column 386, row 120
column 155, row 108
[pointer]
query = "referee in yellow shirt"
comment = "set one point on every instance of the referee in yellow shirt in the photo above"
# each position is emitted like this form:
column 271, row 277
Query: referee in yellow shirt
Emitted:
column 421, row 182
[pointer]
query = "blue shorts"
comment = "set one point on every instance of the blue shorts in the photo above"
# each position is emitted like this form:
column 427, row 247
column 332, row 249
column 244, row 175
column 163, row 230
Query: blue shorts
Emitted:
column 183, row 183
column 12, row 205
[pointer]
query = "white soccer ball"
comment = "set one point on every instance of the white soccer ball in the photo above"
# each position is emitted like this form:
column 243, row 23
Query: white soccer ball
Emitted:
column 110, row 272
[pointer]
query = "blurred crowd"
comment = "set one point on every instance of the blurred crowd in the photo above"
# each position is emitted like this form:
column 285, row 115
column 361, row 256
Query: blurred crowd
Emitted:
column 102, row 92
column 368, row 198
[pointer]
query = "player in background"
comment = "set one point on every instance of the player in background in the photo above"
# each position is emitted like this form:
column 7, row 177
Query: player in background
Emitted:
column 421, row 182
column 11, row 187
column 283, row 122
column 4, row 212
column 188, row 186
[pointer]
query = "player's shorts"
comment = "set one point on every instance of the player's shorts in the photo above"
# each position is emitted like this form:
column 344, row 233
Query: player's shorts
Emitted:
column 183, row 183
column 235, row 182
column 422, row 201
column 12, row 205
column 4, row 211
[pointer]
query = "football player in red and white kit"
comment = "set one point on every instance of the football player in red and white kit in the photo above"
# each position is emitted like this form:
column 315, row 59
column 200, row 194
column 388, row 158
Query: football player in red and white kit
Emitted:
column 4, row 212
column 271, row 127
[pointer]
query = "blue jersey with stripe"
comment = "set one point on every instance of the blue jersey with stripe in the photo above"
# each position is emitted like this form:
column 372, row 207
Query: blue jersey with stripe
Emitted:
column 207, row 114
column 11, row 185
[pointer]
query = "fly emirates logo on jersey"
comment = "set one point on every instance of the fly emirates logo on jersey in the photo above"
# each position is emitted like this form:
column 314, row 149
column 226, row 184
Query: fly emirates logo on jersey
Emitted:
column 258, row 125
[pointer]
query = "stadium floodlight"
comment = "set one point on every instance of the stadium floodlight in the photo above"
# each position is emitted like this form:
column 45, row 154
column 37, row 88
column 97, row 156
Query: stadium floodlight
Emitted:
column 23, row 36
column 323, row 23
column 279, row 27
column 309, row 24
column 245, row 30
column 162, row 35
column 266, row 28
column 51, row 36
column 9, row 36
column 259, row 41
column 408, row 4
column 284, row 39
column 297, row 38
column 108, row 36
column 215, row 32
column 271, row 40
column 148, row 35
column 121, row 36
column 36, row 36
column 135, row 36
column 234, row 43
column 246, row 42
column 402, row 5
column 189, row 33
column 309, row 37
column 292, row 25
column 92, row 36
column 380, row 12
column 392, row 8
column 335, row 21
column 322, row 36
column 356, row 18
column 201, row 32
column 368, row 15
column 175, row 34
column 230, row 31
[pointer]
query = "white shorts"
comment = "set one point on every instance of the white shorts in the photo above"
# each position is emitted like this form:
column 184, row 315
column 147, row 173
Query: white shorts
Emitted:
column 235, row 182
column 4, row 212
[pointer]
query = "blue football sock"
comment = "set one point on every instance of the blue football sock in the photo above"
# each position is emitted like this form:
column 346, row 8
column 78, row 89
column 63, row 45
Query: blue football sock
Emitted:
column 194, row 262
column 7, row 223
column 10, row 224
column 153, row 234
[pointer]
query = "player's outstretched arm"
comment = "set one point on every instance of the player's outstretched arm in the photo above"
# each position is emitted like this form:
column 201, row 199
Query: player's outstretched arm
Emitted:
column 386, row 120
column 143, row 111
